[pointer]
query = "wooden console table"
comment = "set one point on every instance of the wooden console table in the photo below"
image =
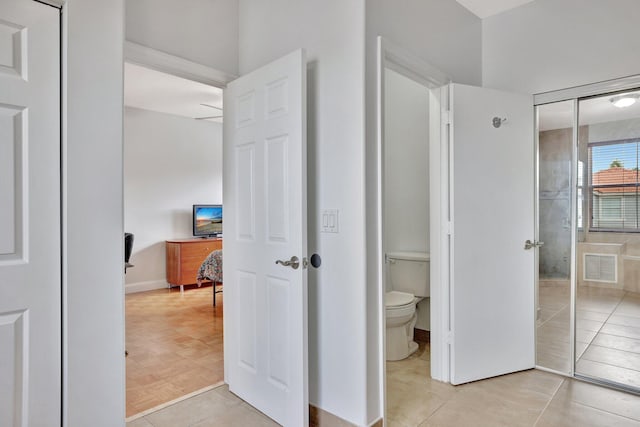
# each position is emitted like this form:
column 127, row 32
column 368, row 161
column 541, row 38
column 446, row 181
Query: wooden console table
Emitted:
column 184, row 257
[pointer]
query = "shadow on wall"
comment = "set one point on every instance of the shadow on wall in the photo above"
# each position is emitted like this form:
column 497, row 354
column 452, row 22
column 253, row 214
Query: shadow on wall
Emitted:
column 313, row 239
column 149, row 264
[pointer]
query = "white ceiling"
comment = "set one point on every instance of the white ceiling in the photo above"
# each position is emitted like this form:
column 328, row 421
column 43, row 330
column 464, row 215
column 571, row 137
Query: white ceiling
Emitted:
column 164, row 93
column 485, row 8
column 559, row 115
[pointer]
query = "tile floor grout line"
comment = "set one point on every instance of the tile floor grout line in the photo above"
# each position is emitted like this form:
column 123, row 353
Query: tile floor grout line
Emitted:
column 627, row 315
column 605, row 411
column 172, row 402
column 553, row 396
column 599, row 329
column 615, row 335
column 617, row 349
column 609, row 379
column 438, row 408
column 554, row 315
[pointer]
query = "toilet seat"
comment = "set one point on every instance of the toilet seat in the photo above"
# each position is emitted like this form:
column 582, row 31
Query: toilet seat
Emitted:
column 399, row 305
column 398, row 300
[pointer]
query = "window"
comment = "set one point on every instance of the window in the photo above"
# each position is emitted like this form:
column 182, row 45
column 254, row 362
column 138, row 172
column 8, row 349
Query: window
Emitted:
column 614, row 185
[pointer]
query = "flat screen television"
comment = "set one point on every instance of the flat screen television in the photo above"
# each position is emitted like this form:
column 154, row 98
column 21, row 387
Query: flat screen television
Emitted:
column 207, row 220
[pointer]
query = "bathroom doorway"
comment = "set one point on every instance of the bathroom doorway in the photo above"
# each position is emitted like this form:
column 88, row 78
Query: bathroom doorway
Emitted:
column 409, row 117
column 405, row 238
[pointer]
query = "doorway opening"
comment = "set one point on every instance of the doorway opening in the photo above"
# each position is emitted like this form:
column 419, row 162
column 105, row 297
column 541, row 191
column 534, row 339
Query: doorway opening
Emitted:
column 411, row 97
column 173, row 161
column 405, row 236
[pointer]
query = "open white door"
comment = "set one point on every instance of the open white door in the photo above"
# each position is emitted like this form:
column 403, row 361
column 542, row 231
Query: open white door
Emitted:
column 265, row 220
column 492, row 281
column 30, row 283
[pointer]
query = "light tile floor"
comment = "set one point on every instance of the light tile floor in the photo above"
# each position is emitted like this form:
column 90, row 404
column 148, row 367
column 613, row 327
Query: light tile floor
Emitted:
column 530, row 398
column 614, row 353
column 217, row 407
column 608, row 335
column 607, row 332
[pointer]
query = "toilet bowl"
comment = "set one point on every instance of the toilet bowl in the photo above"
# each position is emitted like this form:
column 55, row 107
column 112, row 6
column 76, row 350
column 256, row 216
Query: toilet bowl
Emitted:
column 401, row 316
column 408, row 274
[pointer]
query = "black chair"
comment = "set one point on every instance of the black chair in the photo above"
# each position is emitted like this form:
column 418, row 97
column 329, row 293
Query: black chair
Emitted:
column 128, row 248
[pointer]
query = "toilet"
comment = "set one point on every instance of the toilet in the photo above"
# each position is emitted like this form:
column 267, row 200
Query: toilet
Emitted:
column 408, row 273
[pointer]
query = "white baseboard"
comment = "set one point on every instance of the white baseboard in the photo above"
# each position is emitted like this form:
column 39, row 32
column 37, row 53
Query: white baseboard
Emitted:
column 150, row 285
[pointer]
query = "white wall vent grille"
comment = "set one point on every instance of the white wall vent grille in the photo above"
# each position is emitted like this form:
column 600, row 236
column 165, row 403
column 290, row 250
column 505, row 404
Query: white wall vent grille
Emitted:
column 601, row 268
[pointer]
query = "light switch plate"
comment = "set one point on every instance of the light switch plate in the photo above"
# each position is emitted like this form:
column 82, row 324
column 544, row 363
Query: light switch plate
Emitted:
column 329, row 219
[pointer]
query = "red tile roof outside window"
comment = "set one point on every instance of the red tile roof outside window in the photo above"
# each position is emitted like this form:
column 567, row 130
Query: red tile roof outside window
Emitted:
column 616, row 176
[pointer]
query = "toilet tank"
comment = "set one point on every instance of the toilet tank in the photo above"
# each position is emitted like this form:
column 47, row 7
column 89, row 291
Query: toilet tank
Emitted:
column 409, row 272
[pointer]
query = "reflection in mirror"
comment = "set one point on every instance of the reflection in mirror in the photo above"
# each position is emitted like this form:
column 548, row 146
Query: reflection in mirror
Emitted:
column 555, row 141
column 608, row 247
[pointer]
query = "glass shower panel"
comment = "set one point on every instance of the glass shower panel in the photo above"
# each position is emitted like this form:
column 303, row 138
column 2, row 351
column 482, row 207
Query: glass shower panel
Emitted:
column 608, row 245
column 555, row 150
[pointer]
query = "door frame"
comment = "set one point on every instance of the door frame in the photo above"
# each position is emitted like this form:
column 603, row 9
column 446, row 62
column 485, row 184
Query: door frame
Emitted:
column 108, row 405
column 392, row 56
column 138, row 54
column 166, row 63
column 97, row 377
column 572, row 251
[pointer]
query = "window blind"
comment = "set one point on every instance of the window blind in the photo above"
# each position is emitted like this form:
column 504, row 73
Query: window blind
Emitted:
column 614, row 185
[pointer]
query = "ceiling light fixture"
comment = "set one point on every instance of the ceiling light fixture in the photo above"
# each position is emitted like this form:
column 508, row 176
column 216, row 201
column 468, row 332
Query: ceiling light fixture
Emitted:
column 622, row 101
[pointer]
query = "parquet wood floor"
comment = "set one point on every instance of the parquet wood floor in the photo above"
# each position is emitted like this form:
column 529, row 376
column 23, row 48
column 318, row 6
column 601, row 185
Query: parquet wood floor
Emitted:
column 174, row 343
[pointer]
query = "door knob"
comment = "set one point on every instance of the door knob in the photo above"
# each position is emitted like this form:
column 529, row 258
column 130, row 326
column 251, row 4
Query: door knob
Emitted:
column 535, row 244
column 294, row 262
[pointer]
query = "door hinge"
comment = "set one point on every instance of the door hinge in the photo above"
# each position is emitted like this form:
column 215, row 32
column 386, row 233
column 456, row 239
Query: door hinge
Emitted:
column 449, row 337
column 446, row 117
column 448, row 228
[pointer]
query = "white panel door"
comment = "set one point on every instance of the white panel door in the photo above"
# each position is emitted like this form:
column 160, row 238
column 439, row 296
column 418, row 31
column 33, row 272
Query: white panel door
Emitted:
column 265, row 215
column 492, row 283
column 30, row 284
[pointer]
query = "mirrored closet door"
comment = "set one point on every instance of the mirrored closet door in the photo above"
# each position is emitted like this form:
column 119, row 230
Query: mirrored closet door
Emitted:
column 555, row 153
column 588, row 293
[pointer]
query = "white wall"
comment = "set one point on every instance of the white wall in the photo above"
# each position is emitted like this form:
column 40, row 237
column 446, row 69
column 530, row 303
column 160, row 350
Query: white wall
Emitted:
column 93, row 221
column 554, row 44
column 448, row 36
column 406, row 177
column 441, row 32
column 202, row 31
column 332, row 32
column 406, row 152
column 614, row 130
column 170, row 163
